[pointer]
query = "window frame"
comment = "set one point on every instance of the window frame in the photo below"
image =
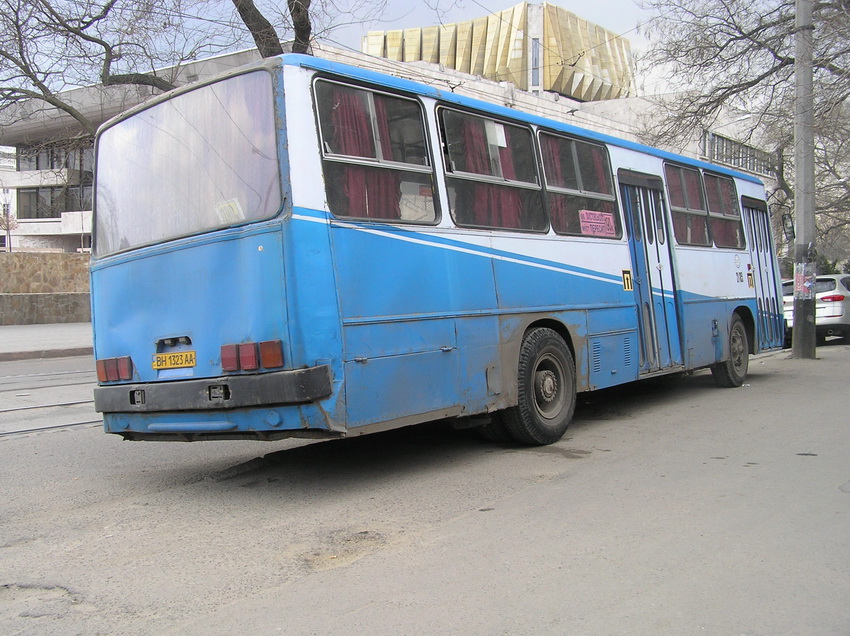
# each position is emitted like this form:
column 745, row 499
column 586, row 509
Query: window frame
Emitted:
column 580, row 192
column 378, row 162
column 53, row 199
column 688, row 211
column 488, row 179
column 724, row 216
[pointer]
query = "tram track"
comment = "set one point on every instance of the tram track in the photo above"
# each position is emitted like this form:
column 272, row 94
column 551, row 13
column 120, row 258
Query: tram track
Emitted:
column 46, row 400
column 41, row 386
column 39, row 429
column 46, row 406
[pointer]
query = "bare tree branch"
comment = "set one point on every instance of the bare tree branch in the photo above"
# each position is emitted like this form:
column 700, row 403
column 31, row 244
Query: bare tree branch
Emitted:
column 264, row 34
column 719, row 55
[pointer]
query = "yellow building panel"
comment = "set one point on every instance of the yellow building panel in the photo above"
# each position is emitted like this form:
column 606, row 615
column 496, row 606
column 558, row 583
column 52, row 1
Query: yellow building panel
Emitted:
column 463, row 56
column 448, row 45
column 519, row 58
column 479, row 43
column 431, row 44
column 491, row 53
column 412, row 45
column 395, row 45
column 374, row 44
column 578, row 59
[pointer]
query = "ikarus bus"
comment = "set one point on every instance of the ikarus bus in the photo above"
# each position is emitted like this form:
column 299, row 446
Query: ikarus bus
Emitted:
column 303, row 248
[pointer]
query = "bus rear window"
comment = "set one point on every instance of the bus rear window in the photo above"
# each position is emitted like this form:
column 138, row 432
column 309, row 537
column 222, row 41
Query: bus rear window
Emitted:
column 202, row 160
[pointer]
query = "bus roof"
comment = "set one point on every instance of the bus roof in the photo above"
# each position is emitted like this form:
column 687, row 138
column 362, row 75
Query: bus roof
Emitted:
column 391, row 81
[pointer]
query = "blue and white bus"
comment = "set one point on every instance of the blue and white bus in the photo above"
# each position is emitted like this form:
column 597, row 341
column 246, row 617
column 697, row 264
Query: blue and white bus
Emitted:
column 304, row 248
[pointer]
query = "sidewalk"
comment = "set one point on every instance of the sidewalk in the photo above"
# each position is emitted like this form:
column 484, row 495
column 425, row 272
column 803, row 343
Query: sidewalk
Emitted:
column 60, row 340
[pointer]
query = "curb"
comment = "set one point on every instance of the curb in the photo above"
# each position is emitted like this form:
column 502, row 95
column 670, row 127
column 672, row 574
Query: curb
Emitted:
column 12, row 356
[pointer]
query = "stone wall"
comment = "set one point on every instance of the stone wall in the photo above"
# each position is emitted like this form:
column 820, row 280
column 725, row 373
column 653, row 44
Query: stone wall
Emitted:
column 38, row 288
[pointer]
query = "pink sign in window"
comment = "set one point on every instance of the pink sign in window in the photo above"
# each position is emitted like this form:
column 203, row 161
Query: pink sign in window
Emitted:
column 597, row 223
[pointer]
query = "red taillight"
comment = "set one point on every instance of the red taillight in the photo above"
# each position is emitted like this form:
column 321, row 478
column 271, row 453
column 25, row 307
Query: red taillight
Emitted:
column 835, row 298
column 229, row 358
column 101, row 370
column 250, row 356
column 271, row 354
column 125, row 368
column 114, row 369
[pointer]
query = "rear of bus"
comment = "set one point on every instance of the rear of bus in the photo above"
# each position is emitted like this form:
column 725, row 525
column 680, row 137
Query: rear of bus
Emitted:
column 193, row 266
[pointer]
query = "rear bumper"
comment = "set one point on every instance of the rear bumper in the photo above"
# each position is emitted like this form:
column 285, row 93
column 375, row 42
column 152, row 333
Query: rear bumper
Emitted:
column 298, row 386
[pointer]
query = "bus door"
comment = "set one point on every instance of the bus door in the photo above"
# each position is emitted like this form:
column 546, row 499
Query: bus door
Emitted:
column 764, row 276
column 653, row 281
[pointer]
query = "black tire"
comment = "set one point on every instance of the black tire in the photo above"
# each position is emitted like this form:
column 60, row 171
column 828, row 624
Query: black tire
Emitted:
column 733, row 371
column 546, row 390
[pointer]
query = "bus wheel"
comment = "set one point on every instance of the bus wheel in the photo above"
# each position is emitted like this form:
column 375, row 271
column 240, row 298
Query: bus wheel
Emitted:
column 546, row 387
column 731, row 372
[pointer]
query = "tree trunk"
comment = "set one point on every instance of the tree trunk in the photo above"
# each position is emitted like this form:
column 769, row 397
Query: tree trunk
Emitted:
column 300, row 12
column 265, row 37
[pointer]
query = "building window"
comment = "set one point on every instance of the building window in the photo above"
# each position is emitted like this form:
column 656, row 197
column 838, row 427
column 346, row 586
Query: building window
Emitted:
column 720, row 149
column 535, row 63
column 78, row 198
column 79, row 158
column 44, row 203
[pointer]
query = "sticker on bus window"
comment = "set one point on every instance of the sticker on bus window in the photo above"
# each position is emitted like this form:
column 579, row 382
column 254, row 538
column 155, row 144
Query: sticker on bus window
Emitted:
column 495, row 133
column 597, row 223
column 229, row 211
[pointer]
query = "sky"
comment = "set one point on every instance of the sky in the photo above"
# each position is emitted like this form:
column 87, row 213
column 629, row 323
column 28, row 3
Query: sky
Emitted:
column 620, row 16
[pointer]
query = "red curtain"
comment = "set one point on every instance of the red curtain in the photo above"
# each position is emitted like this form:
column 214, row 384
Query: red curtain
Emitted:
column 371, row 192
column 601, row 168
column 492, row 205
column 558, row 205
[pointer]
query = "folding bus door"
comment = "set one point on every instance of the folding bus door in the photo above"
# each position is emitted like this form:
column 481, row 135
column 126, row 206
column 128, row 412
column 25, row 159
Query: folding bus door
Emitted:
column 655, row 294
column 764, row 278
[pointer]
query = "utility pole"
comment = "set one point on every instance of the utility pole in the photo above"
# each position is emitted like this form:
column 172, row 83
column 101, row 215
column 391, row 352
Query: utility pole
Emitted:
column 804, row 192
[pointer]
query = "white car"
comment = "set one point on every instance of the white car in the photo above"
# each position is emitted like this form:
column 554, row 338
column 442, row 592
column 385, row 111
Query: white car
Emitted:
column 832, row 306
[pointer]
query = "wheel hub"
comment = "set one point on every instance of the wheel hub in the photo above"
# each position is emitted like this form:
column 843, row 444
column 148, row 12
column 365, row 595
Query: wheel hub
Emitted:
column 547, row 385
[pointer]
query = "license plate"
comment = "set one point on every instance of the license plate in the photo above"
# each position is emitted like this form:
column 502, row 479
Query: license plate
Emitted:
column 176, row 360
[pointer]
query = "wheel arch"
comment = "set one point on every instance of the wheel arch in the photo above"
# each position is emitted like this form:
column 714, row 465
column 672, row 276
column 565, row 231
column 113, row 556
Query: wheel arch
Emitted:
column 558, row 327
column 514, row 332
column 746, row 316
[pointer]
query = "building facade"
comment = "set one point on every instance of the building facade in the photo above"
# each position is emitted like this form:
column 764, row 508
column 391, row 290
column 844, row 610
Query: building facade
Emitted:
column 46, row 173
column 536, row 47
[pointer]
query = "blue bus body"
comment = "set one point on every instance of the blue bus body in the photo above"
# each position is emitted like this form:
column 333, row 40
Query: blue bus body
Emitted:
column 268, row 314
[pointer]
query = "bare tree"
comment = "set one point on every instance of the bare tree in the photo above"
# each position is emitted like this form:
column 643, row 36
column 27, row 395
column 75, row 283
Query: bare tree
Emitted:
column 48, row 47
column 7, row 224
column 739, row 54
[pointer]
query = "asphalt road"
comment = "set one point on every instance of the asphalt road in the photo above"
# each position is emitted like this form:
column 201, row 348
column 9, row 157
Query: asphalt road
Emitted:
column 671, row 507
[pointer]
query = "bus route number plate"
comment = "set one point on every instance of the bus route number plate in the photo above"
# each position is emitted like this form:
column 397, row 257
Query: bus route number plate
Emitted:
column 176, row 360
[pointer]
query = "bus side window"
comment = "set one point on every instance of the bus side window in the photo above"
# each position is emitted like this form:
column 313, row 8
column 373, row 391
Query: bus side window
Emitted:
column 579, row 185
column 726, row 227
column 375, row 155
column 687, row 205
column 491, row 173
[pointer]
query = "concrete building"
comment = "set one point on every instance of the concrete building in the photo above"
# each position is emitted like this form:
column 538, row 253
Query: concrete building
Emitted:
column 48, row 190
column 536, row 47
